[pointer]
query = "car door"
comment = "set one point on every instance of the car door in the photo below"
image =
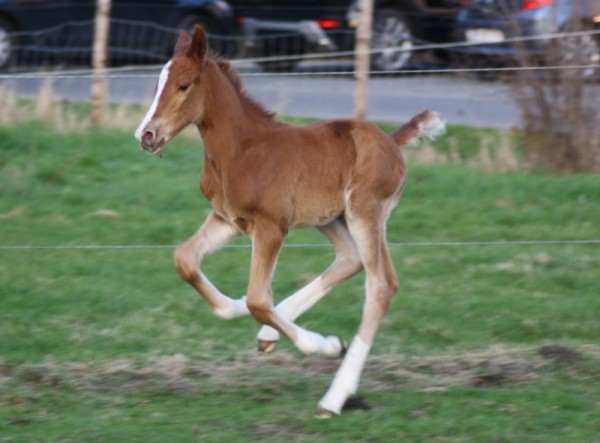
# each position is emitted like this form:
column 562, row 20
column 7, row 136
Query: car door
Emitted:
column 35, row 15
column 52, row 30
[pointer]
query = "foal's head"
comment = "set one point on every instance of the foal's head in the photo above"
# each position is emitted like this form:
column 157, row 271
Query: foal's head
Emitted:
column 179, row 94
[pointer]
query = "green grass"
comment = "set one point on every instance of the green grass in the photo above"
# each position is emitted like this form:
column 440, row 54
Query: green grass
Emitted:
column 109, row 345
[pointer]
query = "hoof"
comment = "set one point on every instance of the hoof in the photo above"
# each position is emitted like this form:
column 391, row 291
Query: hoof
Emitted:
column 266, row 346
column 324, row 414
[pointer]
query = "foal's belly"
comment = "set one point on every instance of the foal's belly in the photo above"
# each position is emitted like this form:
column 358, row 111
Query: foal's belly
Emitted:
column 302, row 205
column 303, row 213
column 312, row 211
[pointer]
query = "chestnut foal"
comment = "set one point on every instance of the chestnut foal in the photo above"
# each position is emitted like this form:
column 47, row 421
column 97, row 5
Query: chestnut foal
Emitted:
column 264, row 178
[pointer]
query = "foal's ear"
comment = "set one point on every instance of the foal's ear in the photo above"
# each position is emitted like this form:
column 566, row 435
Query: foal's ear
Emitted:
column 199, row 46
column 183, row 43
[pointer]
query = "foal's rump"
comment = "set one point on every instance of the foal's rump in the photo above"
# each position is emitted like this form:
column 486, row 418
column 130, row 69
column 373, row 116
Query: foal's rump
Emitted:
column 427, row 124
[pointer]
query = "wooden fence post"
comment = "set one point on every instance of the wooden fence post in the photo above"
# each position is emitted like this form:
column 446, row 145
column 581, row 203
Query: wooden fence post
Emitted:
column 98, row 90
column 362, row 60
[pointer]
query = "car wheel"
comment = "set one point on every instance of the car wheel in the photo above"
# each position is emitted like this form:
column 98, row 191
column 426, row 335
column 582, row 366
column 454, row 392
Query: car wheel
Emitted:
column 581, row 50
column 390, row 32
column 7, row 43
column 218, row 42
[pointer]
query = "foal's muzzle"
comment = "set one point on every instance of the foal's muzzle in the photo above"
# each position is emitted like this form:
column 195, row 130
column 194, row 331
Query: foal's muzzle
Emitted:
column 151, row 141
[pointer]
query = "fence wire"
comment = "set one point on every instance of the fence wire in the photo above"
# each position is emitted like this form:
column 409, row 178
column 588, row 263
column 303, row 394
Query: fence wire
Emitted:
column 306, row 245
column 118, row 75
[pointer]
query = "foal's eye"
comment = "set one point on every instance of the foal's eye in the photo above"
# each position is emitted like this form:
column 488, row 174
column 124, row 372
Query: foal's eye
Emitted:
column 184, row 88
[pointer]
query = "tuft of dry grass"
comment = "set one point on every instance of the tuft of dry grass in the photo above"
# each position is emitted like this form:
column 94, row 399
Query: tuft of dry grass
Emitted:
column 10, row 112
column 496, row 154
column 491, row 153
column 60, row 115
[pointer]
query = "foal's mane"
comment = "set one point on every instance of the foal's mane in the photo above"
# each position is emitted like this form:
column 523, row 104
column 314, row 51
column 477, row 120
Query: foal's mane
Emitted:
column 249, row 103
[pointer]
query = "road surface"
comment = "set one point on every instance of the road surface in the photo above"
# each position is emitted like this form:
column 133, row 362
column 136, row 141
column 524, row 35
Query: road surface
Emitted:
column 460, row 100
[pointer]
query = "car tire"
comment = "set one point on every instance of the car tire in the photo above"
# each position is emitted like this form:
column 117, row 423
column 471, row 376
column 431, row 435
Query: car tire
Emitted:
column 7, row 43
column 217, row 41
column 390, row 30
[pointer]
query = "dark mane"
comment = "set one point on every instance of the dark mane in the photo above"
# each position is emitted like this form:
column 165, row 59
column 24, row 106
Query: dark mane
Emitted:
column 236, row 82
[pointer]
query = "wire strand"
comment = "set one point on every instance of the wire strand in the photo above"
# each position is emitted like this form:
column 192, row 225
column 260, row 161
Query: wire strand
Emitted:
column 308, row 245
column 350, row 73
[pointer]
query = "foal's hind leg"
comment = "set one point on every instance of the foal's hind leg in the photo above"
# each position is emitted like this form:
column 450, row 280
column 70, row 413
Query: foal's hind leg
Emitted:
column 368, row 231
column 212, row 235
column 346, row 264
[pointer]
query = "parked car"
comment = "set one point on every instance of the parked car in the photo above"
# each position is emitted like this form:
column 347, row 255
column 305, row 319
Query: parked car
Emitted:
column 61, row 31
column 494, row 27
column 296, row 27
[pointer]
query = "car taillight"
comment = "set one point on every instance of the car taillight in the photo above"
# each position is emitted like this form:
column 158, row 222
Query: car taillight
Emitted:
column 534, row 4
column 328, row 23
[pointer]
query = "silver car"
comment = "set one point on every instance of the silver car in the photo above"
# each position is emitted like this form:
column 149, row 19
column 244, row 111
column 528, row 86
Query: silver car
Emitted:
column 506, row 31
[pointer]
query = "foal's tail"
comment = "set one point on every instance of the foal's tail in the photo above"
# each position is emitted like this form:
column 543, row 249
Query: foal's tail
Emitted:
column 427, row 125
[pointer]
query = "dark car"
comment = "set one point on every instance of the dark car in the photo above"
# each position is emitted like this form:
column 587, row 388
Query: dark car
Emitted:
column 295, row 27
column 495, row 27
column 61, row 31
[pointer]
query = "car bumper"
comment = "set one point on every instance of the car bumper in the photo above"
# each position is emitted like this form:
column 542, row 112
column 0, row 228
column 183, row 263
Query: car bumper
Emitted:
column 310, row 31
column 502, row 38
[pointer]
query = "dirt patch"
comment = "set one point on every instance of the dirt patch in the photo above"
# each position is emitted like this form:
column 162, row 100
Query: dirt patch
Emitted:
column 182, row 375
column 491, row 367
column 561, row 354
column 175, row 373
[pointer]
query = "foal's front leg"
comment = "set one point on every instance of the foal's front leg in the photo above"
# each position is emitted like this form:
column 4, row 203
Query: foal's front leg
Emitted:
column 346, row 264
column 267, row 240
column 212, row 235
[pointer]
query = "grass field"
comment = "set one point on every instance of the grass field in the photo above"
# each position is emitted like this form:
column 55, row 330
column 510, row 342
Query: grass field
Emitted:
column 101, row 345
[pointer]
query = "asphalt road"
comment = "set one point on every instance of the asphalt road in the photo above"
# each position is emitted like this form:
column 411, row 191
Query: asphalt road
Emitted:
column 396, row 99
column 460, row 100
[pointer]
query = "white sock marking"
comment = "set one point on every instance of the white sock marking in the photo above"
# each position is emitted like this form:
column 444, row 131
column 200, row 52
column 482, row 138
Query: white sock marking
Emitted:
column 162, row 81
column 312, row 343
column 346, row 379
column 234, row 309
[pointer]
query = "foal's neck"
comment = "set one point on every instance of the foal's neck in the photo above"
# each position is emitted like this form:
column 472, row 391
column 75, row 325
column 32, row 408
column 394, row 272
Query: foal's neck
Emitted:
column 229, row 114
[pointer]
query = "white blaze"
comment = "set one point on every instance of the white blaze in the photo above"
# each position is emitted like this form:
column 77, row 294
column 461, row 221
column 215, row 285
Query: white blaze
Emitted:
column 162, row 81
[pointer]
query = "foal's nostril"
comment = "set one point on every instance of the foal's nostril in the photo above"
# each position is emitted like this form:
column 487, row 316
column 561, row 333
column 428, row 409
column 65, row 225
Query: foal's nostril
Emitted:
column 148, row 137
